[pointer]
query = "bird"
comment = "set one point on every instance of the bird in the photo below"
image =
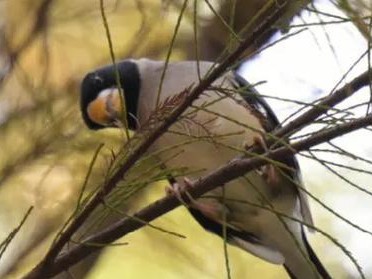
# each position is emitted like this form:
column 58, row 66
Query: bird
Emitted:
column 226, row 119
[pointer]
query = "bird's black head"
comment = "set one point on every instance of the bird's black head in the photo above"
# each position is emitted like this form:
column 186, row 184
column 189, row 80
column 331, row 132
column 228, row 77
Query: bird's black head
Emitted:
column 100, row 102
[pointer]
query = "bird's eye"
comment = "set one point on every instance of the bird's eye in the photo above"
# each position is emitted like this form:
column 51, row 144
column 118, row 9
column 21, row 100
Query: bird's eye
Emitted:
column 97, row 79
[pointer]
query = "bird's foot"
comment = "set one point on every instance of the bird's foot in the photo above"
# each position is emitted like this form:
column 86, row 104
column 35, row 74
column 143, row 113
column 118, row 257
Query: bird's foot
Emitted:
column 268, row 171
column 259, row 140
column 211, row 210
column 177, row 188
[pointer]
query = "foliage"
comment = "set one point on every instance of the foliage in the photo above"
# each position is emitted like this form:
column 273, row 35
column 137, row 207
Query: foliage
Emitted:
column 50, row 161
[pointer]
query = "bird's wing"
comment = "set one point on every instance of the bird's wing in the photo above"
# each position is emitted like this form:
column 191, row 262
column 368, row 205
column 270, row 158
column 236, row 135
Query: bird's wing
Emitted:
column 271, row 122
column 234, row 235
column 242, row 239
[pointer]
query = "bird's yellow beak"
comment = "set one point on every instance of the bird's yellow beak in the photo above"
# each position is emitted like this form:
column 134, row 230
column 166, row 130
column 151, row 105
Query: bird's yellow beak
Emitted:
column 107, row 108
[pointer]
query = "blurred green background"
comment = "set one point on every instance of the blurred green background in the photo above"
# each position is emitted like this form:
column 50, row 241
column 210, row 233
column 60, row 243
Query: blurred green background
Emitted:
column 46, row 48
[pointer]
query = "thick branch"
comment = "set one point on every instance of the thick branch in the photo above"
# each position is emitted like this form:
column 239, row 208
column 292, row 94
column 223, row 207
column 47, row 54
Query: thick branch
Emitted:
column 215, row 36
column 138, row 152
column 322, row 107
column 312, row 114
column 219, row 177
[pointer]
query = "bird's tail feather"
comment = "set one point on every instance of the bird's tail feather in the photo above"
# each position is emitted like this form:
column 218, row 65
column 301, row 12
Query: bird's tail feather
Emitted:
column 322, row 272
column 291, row 275
column 314, row 259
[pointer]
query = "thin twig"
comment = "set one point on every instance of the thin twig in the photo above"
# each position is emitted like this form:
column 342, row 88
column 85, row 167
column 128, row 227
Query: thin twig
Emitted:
column 323, row 106
column 117, row 75
column 46, row 265
column 4, row 245
column 235, row 168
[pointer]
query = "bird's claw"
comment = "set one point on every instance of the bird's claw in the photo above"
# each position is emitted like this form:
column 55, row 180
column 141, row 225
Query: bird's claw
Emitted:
column 177, row 188
column 212, row 210
column 268, row 171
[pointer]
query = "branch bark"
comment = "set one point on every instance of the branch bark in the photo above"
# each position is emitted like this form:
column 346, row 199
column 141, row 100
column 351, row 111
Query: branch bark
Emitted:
column 330, row 101
column 152, row 137
column 52, row 265
column 219, row 177
column 214, row 36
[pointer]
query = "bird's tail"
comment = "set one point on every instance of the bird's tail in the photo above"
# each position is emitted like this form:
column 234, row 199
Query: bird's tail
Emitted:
column 292, row 270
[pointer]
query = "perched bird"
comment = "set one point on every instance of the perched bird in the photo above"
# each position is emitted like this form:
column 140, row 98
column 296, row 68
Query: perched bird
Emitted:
column 222, row 122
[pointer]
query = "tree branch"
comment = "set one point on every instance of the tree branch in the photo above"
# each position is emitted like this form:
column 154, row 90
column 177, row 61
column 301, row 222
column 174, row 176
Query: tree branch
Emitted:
column 153, row 136
column 330, row 101
column 219, row 177
column 40, row 24
column 52, row 265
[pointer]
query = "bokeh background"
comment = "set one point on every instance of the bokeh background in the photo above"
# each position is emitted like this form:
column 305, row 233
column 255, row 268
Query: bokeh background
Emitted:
column 46, row 47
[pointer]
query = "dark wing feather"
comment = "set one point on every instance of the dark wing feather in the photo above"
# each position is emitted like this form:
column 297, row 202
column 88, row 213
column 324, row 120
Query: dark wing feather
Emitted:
column 268, row 117
column 269, row 120
column 253, row 98
column 313, row 257
column 214, row 227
